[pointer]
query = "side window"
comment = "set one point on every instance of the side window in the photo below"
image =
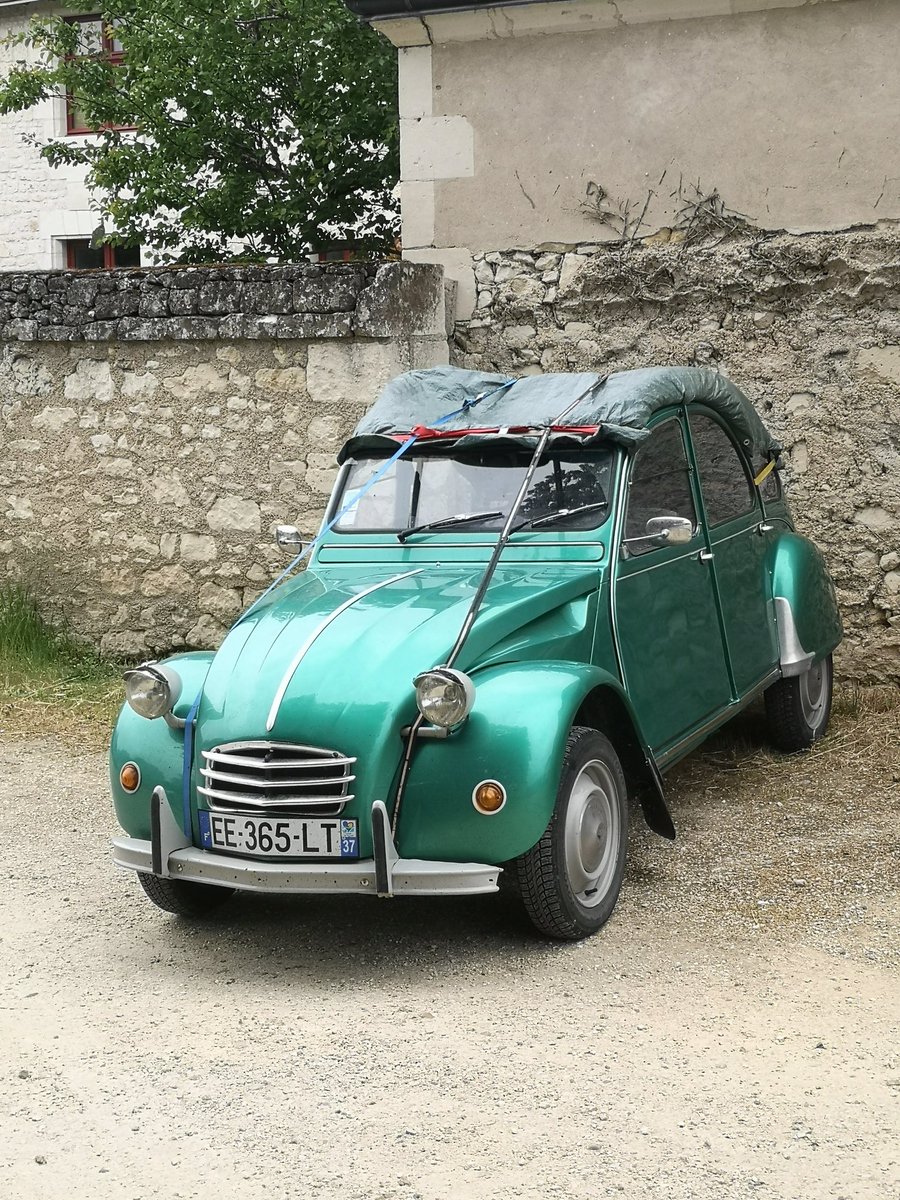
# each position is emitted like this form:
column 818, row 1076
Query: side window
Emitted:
column 660, row 484
column 770, row 487
column 727, row 489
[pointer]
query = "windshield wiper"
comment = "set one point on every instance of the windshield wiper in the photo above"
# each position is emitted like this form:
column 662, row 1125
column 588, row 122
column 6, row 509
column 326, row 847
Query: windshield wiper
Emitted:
column 459, row 519
column 563, row 512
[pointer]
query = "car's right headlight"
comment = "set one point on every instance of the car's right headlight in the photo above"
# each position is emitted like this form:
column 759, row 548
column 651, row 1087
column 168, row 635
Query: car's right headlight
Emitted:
column 152, row 690
column 444, row 696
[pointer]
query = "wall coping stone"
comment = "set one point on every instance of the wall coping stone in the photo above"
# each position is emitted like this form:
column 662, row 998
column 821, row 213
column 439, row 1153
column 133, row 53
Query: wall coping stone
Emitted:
column 299, row 300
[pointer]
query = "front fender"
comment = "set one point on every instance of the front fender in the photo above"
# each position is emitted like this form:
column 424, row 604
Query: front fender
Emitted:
column 157, row 749
column 516, row 734
column 806, row 609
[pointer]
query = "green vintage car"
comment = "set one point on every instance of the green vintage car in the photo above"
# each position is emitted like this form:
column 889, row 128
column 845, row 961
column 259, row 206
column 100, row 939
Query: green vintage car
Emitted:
column 529, row 599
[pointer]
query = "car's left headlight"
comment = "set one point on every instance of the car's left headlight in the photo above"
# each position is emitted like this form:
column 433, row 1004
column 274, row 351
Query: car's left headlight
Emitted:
column 444, row 696
column 152, row 690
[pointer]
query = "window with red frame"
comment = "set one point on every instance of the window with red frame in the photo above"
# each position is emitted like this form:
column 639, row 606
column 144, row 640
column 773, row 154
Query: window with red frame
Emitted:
column 83, row 255
column 96, row 40
column 335, row 255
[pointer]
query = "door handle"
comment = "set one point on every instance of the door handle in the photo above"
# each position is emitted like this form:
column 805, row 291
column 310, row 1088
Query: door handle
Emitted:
column 706, row 556
column 764, row 527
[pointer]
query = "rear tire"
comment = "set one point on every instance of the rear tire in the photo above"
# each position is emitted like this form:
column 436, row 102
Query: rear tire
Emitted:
column 798, row 708
column 182, row 897
column 570, row 881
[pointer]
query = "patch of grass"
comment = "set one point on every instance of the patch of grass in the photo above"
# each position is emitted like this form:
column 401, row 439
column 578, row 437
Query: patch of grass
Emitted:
column 852, row 699
column 49, row 682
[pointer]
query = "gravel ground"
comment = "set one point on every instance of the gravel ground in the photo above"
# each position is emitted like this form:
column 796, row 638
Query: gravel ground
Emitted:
column 731, row 1033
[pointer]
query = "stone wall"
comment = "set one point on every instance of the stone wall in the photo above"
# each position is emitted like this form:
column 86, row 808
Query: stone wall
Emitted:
column 808, row 326
column 305, row 300
column 155, row 426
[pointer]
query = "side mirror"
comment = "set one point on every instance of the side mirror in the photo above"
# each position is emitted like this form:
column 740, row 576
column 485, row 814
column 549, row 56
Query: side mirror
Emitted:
column 288, row 537
column 663, row 531
column 670, row 531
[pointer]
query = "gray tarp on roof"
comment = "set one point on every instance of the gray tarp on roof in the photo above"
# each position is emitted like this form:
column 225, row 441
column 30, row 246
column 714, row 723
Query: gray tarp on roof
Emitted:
column 621, row 404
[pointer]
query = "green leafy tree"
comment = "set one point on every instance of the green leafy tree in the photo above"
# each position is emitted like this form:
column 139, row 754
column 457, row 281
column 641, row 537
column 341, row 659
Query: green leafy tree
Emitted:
column 271, row 123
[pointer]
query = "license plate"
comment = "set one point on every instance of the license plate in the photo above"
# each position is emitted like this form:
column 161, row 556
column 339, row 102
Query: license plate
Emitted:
column 271, row 837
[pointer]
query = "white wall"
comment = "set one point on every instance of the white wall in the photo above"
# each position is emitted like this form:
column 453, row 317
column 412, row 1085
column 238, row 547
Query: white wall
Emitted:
column 39, row 205
column 527, row 126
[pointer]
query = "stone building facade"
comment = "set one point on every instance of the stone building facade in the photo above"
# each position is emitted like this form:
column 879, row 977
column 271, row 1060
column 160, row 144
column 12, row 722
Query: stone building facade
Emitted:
column 585, row 121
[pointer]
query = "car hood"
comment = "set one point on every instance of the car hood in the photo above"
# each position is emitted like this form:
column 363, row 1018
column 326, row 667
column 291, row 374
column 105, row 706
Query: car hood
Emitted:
column 329, row 659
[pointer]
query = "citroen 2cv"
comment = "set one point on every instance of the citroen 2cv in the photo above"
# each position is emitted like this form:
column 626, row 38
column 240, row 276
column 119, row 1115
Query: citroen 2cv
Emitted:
column 528, row 600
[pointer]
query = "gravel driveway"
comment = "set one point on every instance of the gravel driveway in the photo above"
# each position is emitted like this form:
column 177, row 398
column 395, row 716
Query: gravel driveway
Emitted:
column 732, row 1033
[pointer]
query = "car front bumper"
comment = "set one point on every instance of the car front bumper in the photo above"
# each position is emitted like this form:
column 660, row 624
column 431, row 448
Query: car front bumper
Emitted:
column 169, row 855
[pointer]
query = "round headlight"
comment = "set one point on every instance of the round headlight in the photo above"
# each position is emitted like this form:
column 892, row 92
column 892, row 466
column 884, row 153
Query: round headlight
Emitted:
column 444, row 696
column 152, row 691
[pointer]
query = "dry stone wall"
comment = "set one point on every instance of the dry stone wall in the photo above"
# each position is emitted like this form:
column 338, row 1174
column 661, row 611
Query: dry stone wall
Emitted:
column 156, row 426
column 808, row 327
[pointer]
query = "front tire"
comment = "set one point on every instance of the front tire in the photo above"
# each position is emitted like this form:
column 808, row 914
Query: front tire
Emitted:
column 181, row 897
column 570, row 881
column 798, row 708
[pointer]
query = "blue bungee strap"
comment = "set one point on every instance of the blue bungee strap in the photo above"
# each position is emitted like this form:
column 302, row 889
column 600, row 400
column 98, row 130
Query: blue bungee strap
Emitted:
column 292, row 566
column 187, row 763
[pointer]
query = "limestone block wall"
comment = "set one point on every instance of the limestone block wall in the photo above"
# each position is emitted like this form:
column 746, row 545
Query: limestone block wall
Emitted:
column 808, row 326
column 156, row 426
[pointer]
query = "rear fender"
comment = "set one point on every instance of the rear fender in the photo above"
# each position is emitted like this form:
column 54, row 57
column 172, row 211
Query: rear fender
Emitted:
column 806, row 610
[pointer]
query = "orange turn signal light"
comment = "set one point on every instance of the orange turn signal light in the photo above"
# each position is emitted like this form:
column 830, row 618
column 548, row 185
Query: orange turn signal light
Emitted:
column 130, row 777
column 489, row 797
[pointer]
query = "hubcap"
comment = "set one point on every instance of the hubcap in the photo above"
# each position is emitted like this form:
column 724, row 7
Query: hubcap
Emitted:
column 592, row 833
column 814, row 693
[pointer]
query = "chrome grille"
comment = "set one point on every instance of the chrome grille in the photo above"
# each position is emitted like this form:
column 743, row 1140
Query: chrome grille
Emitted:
column 276, row 777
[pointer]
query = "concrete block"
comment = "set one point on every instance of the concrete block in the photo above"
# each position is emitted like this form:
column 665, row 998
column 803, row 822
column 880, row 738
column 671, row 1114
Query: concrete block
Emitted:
column 417, row 209
column 458, row 267
column 402, row 300
column 415, row 81
column 436, row 148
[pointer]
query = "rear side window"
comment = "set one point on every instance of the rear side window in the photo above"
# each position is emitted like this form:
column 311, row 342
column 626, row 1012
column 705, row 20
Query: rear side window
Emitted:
column 660, row 484
column 728, row 491
column 770, row 487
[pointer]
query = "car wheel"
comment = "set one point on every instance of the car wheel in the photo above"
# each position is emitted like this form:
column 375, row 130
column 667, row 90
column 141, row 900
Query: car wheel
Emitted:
column 181, row 897
column 571, row 879
column 797, row 709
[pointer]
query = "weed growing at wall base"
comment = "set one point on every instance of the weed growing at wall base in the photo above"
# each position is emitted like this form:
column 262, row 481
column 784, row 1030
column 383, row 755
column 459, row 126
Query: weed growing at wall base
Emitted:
column 49, row 683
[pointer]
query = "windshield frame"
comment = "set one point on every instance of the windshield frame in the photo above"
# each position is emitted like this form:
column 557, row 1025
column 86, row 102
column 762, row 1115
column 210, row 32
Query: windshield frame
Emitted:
column 565, row 455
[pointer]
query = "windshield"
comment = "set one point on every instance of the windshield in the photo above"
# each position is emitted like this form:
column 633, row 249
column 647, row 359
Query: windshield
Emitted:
column 570, row 490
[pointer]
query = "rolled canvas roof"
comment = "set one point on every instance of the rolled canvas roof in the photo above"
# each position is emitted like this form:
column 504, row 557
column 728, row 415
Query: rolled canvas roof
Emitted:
column 615, row 408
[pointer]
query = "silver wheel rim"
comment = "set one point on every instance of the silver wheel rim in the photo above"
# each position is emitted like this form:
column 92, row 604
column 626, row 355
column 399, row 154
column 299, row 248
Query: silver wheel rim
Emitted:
column 814, row 693
column 593, row 831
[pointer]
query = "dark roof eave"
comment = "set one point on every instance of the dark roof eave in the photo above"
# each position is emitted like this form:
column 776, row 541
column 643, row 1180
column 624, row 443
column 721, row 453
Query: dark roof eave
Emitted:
column 376, row 10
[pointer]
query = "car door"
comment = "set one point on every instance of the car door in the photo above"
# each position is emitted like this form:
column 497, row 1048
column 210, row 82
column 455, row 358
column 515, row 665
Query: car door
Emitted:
column 737, row 540
column 664, row 609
